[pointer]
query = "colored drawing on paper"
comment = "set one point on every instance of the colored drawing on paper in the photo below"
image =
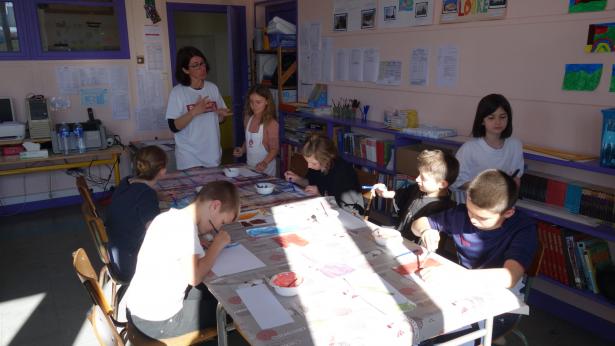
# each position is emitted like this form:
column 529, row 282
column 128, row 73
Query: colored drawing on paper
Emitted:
column 582, row 77
column 612, row 87
column 449, row 6
column 290, row 239
column 406, row 5
column 575, row 6
column 601, row 38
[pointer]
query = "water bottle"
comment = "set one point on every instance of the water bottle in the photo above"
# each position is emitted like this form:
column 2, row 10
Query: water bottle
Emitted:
column 64, row 134
column 79, row 135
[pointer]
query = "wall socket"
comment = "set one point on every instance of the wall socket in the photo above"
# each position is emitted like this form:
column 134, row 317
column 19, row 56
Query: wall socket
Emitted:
column 140, row 59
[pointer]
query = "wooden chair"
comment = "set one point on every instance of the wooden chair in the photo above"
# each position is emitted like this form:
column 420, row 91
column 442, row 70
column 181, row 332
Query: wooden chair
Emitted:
column 368, row 179
column 98, row 231
column 101, row 316
column 84, row 191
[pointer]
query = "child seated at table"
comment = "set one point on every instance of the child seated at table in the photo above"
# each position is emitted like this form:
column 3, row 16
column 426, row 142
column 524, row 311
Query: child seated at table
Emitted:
column 437, row 170
column 167, row 297
column 134, row 205
column 328, row 174
column 492, row 238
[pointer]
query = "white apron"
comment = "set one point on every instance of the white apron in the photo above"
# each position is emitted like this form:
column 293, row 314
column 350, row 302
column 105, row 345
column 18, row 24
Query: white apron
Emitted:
column 256, row 150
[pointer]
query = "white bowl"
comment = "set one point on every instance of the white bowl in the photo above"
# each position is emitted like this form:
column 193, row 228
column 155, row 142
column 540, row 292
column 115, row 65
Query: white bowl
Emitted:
column 286, row 283
column 387, row 236
column 231, row 172
column 264, row 188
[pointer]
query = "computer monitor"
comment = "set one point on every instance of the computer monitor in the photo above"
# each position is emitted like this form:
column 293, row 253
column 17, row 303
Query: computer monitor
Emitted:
column 7, row 112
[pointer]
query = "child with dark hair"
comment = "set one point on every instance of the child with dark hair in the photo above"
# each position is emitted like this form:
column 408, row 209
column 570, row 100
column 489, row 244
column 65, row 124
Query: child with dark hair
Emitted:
column 194, row 111
column 492, row 146
column 262, row 140
column 133, row 205
column 437, row 170
column 167, row 297
column 492, row 238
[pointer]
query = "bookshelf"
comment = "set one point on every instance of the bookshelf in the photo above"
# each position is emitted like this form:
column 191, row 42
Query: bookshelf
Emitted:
column 584, row 308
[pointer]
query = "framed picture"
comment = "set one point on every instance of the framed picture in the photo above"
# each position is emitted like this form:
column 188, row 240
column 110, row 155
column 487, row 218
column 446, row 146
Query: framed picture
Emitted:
column 497, row 3
column 420, row 9
column 390, row 13
column 449, row 6
column 607, row 147
column 340, row 22
column 368, row 18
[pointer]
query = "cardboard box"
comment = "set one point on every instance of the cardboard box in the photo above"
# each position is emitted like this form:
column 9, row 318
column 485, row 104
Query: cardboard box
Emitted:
column 405, row 157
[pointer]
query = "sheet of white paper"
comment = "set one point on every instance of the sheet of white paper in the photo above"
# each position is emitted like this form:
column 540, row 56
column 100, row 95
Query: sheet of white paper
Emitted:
column 235, row 259
column 389, row 73
column 315, row 66
column 151, row 98
column 327, row 59
column 120, row 106
column 419, row 66
column 342, row 63
column 92, row 76
column 371, row 63
column 350, row 221
column 118, row 78
column 153, row 56
column 314, row 38
column 246, row 172
column 355, row 71
column 264, row 307
column 305, row 66
column 67, row 79
column 378, row 292
column 304, row 32
column 448, row 66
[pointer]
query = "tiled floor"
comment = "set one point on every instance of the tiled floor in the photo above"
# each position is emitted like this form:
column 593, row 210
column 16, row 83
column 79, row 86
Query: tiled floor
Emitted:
column 43, row 303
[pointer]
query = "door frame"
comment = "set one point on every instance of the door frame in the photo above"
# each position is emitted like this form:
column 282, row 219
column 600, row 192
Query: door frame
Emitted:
column 237, row 46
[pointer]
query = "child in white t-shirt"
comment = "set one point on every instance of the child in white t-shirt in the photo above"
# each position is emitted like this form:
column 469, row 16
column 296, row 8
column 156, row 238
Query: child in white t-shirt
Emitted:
column 492, row 146
column 167, row 297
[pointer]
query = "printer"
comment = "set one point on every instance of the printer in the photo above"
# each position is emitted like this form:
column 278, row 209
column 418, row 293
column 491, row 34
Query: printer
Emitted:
column 10, row 130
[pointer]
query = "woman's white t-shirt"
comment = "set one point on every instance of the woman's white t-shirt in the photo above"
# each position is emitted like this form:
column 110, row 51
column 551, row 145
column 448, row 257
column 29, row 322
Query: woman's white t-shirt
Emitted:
column 476, row 155
column 198, row 144
column 157, row 289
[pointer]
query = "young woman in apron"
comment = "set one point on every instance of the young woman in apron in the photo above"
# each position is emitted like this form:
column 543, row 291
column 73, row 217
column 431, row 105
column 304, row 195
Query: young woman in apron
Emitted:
column 262, row 142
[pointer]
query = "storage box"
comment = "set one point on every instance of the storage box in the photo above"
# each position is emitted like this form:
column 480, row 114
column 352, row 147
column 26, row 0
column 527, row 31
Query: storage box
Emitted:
column 282, row 40
column 289, row 95
column 406, row 157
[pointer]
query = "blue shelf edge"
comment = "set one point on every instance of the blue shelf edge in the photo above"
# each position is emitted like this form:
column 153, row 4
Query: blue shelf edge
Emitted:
column 366, row 163
column 572, row 314
column 585, row 293
column 601, row 231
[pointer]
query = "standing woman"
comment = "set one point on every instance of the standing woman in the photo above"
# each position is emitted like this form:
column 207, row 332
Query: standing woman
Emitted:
column 134, row 205
column 194, row 112
column 262, row 142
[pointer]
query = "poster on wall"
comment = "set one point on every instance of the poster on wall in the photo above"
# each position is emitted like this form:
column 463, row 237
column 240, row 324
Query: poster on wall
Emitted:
column 404, row 13
column 576, row 6
column 353, row 15
column 582, row 77
column 601, row 38
column 469, row 10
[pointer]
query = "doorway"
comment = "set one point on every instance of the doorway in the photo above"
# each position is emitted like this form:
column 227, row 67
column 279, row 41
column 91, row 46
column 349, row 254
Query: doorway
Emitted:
column 219, row 31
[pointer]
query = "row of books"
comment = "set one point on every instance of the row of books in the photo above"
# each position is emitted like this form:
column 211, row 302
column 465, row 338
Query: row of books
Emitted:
column 572, row 258
column 298, row 129
column 368, row 148
column 575, row 197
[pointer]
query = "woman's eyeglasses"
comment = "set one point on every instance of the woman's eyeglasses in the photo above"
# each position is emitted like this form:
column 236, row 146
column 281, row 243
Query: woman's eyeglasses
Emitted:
column 197, row 66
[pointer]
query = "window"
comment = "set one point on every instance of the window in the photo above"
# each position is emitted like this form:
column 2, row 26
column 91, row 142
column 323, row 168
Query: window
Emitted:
column 63, row 29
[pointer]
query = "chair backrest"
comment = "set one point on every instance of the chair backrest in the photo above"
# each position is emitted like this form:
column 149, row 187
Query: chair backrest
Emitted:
column 534, row 268
column 84, row 191
column 98, row 231
column 101, row 314
column 298, row 164
column 366, row 178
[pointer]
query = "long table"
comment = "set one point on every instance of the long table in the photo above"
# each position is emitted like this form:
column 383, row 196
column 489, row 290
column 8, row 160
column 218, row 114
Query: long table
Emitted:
column 354, row 291
column 14, row 165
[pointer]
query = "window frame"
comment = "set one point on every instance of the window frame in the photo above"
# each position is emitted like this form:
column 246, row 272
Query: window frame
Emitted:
column 30, row 39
